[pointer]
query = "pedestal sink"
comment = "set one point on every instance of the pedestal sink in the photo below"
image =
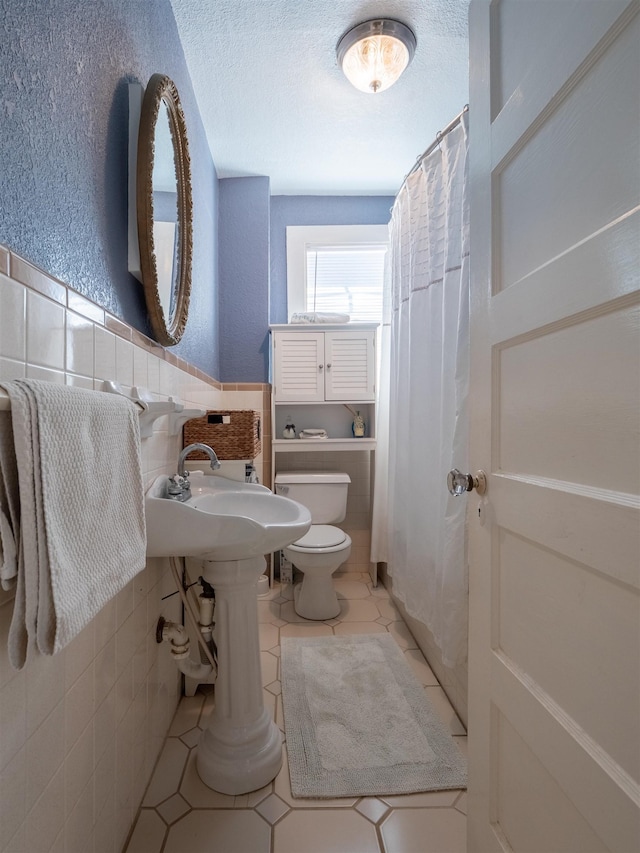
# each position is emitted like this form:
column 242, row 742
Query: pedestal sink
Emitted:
column 222, row 520
column 228, row 527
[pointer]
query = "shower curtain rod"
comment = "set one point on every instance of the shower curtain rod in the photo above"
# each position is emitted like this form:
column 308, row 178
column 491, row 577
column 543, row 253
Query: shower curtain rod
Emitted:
column 439, row 135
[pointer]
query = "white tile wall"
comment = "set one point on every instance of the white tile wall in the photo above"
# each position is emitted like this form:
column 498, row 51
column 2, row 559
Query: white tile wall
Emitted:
column 81, row 731
column 104, row 365
column 80, row 344
column 12, row 320
column 45, row 332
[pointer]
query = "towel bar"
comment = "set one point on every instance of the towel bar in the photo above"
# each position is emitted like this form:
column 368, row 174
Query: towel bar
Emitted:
column 148, row 408
column 154, row 409
column 5, row 402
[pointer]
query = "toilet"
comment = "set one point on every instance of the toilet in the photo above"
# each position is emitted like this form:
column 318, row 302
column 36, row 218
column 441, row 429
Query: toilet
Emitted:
column 324, row 548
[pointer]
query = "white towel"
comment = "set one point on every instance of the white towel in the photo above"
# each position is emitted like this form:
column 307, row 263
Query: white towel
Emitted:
column 319, row 317
column 81, row 536
column 313, row 433
column 9, row 505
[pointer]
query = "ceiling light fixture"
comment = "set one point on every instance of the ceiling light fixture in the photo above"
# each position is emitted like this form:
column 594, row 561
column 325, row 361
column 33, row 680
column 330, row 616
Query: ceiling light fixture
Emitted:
column 374, row 54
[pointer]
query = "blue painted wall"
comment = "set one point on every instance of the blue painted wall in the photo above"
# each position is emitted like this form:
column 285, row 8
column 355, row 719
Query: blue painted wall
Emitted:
column 253, row 262
column 64, row 70
column 314, row 210
column 244, row 279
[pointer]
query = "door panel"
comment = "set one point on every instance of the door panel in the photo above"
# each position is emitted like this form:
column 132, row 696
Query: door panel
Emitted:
column 512, row 65
column 552, row 623
column 604, row 795
column 539, row 221
column 600, row 523
column 539, row 298
column 519, row 810
column 547, row 65
column 554, row 651
column 551, row 429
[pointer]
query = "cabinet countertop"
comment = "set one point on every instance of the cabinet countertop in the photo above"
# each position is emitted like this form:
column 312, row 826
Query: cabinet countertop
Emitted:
column 323, row 327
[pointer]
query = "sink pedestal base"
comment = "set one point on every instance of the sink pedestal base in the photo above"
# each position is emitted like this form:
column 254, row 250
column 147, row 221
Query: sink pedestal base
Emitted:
column 241, row 749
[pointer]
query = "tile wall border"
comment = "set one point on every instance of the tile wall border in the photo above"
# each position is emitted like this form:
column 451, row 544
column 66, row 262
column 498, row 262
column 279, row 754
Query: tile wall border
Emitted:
column 21, row 270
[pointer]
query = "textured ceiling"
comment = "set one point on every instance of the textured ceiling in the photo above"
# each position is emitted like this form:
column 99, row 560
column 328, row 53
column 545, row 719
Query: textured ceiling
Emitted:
column 275, row 103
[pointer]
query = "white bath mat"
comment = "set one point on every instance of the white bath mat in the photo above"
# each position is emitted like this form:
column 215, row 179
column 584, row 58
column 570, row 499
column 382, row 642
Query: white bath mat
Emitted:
column 358, row 722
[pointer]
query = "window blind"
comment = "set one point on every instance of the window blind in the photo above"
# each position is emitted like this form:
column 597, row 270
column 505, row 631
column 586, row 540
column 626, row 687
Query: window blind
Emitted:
column 346, row 280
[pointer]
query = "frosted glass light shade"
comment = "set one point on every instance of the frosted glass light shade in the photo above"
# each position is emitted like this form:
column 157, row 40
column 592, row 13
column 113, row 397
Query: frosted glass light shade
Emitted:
column 374, row 54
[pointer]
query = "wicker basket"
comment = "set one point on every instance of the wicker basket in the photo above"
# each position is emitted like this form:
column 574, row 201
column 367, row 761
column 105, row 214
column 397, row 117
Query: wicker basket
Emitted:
column 239, row 439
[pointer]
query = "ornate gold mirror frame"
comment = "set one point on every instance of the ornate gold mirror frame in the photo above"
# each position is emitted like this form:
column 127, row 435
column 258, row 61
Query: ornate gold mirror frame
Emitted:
column 168, row 317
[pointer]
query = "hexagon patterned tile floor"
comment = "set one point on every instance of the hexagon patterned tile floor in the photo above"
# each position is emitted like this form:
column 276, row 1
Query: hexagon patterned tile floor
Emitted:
column 179, row 814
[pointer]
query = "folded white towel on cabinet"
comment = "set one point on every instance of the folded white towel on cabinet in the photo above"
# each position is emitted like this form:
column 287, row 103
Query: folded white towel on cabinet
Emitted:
column 75, row 516
column 319, row 317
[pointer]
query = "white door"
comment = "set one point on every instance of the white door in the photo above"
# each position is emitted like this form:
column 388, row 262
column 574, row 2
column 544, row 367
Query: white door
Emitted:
column 554, row 669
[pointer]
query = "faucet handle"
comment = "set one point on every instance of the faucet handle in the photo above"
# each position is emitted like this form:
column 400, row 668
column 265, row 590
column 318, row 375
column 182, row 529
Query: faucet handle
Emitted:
column 179, row 488
column 175, row 485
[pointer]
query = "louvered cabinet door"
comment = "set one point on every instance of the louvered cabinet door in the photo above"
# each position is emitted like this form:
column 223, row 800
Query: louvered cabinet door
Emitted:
column 298, row 367
column 349, row 366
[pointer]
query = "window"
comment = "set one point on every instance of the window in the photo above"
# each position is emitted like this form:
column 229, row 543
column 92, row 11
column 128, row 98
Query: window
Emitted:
column 336, row 269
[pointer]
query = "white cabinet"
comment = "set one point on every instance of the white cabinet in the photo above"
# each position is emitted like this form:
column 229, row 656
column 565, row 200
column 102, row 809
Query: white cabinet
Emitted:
column 320, row 378
column 332, row 366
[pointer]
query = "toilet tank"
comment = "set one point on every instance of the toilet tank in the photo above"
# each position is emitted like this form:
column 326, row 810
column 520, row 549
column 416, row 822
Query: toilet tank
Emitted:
column 324, row 493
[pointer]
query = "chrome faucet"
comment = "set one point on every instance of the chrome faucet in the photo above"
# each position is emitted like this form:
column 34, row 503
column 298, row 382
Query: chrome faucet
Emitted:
column 179, row 487
column 215, row 464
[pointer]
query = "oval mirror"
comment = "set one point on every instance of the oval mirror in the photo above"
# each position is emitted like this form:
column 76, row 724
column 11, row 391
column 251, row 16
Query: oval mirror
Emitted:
column 164, row 209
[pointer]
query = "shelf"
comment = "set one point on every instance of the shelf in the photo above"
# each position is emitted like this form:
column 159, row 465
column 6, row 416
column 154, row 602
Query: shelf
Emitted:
column 295, row 403
column 296, row 445
column 350, row 354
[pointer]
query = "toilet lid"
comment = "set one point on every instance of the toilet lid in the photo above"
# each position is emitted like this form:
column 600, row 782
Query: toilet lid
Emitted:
column 321, row 536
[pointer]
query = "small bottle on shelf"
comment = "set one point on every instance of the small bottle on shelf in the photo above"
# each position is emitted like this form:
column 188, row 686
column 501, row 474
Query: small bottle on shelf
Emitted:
column 358, row 426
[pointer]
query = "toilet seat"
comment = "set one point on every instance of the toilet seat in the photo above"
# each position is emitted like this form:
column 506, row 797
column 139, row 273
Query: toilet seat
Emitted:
column 319, row 539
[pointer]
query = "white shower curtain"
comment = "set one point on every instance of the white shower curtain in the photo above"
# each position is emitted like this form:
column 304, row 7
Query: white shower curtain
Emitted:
column 425, row 544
